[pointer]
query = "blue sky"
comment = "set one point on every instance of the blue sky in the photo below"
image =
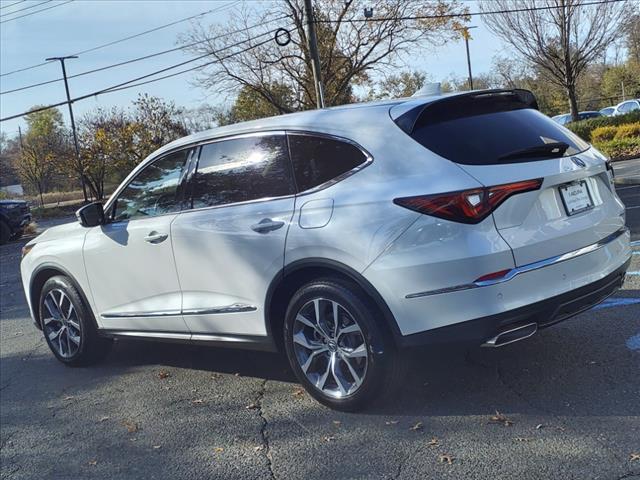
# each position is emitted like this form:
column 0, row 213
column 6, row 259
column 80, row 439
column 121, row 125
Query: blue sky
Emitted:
column 83, row 24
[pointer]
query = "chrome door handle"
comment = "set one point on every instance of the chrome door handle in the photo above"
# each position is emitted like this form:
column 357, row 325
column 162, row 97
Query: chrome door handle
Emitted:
column 155, row 237
column 266, row 225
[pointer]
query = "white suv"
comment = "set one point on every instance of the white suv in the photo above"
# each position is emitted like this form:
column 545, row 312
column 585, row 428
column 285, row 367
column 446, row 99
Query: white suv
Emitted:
column 341, row 236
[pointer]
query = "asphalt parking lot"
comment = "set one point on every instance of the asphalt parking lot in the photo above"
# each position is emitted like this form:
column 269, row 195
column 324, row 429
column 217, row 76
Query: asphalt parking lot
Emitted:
column 564, row 404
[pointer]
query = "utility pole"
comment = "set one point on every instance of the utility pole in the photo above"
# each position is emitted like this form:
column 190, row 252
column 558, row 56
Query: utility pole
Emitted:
column 313, row 51
column 73, row 123
column 466, row 35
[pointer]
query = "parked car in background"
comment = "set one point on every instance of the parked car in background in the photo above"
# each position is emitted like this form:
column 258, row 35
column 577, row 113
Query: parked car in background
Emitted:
column 608, row 111
column 310, row 234
column 627, row 106
column 566, row 117
column 14, row 216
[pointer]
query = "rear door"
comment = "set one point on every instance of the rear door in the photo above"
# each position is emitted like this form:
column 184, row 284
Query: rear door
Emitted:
column 230, row 244
column 500, row 139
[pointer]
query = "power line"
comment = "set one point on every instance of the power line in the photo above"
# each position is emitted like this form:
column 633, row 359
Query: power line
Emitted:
column 130, row 37
column 37, row 11
column 131, row 84
column 137, row 59
column 460, row 15
column 26, row 8
column 12, row 4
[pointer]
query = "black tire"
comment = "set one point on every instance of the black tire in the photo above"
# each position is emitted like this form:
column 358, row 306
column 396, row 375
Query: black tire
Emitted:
column 383, row 369
column 90, row 347
column 5, row 233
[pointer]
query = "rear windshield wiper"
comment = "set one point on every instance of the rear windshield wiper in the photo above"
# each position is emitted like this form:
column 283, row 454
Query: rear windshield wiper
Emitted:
column 552, row 150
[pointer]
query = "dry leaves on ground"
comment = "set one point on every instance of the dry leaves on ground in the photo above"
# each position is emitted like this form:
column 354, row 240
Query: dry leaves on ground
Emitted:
column 92, row 462
column 252, row 406
column 500, row 419
column 103, row 419
column 634, row 456
column 329, row 438
column 132, row 427
column 337, row 422
column 433, row 442
column 197, row 401
column 523, row 439
column 298, row 392
column 218, row 450
column 162, row 374
column 391, row 422
column 417, row 427
column 446, row 458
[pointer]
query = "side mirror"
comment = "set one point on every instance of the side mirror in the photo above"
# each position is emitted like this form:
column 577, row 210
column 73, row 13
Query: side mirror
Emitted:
column 91, row 215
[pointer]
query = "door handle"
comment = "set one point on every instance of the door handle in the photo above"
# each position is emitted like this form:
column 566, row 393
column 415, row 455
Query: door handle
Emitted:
column 155, row 237
column 266, row 225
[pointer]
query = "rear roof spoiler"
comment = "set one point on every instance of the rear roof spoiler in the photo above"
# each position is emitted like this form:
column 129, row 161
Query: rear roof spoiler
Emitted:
column 417, row 113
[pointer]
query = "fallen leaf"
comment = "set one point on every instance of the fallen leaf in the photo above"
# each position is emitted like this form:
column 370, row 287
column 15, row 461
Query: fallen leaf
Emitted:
column 329, row 438
column 92, row 462
column 162, row 374
column 446, row 458
column 215, row 376
column 500, row 418
column 522, row 439
column 634, row 456
column 539, row 426
column 218, row 450
column 337, row 422
column 391, row 422
column 259, row 448
column 433, row 442
column 417, row 427
column 132, row 427
column 156, row 447
column 252, row 406
column 197, row 401
column 298, row 392
column 103, row 419
column 69, row 397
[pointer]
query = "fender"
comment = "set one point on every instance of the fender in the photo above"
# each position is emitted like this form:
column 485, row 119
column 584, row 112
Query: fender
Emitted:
column 338, row 267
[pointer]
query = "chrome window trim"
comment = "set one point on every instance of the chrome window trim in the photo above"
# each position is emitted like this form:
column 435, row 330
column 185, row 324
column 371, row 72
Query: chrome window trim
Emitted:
column 234, row 308
column 527, row 268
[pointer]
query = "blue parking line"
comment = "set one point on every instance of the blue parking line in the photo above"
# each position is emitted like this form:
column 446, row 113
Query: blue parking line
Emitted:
column 633, row 273
column 616, row 302
column 635, row 253
column 633, row 343
column 635, row 243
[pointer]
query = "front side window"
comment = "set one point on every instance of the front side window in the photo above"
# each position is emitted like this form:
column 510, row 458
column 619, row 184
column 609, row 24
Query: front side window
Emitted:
column 242, row 169
column 154, row 190
column 317, row 160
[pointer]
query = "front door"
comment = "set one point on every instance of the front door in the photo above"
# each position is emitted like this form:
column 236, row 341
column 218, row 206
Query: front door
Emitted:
column 129, row 260
column 230, row 245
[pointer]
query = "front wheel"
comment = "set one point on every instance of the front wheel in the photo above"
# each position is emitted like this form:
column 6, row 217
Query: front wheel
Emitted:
column 67, row 324
column 336, row 346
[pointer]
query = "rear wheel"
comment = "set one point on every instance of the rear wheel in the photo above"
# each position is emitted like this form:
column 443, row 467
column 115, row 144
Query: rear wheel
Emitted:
column 68, row 325
column 336, row 346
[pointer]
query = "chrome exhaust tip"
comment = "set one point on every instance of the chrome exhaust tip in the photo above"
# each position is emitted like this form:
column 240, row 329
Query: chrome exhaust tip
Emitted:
column 512, row 335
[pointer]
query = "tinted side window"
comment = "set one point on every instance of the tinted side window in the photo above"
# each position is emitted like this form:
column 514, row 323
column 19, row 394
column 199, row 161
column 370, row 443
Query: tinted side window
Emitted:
column 317, row 160
column 242, row 169
column 154, row 190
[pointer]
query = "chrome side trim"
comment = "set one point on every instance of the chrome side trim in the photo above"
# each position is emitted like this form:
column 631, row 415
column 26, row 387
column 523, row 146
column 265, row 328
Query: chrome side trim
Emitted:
column 235, row 308
column 166, row 313
column 526, row 268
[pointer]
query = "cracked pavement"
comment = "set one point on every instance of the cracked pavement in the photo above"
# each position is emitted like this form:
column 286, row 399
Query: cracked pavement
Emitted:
column 568, row 398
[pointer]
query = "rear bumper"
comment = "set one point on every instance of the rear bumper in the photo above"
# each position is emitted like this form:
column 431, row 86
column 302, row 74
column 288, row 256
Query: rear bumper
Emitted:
column 544, row 313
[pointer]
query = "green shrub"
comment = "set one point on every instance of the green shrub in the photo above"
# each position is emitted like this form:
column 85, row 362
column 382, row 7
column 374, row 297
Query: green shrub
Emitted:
column 620, row 148
column 630, row 130
column 604, row 134
column 584, row 128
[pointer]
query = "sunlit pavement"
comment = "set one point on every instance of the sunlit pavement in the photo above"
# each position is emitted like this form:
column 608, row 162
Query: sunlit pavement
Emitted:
column 568, row 402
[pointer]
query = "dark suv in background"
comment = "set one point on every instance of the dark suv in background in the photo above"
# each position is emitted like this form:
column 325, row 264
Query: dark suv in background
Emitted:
column 14, row 216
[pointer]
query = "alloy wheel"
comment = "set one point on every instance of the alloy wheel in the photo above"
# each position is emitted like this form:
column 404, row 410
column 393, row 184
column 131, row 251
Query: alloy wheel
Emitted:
column 61, row 324
column 330, row 347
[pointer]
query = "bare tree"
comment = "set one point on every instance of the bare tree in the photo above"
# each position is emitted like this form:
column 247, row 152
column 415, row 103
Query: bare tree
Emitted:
column 560, row 41
column 350, row 49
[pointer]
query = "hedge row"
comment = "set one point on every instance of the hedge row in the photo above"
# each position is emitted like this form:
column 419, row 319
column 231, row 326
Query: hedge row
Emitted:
column 585, row 128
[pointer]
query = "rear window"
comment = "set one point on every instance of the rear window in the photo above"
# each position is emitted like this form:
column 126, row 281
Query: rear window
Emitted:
column 487, row 136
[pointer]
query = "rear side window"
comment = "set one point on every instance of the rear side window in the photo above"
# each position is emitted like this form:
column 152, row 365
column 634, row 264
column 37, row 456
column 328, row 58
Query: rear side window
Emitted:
column 317, row 160
column 242, row 169
column 487, row 134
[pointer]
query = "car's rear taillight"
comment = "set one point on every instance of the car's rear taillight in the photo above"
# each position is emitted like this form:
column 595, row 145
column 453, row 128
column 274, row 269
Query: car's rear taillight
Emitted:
column 467, row 206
